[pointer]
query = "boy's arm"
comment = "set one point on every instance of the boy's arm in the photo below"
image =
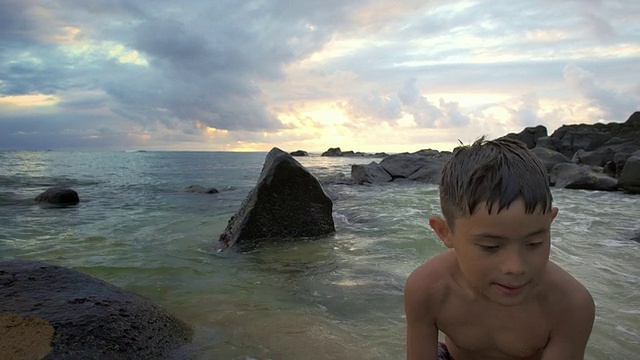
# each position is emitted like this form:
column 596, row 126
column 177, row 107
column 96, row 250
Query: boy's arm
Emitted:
column 570, row 334
column 422, row 333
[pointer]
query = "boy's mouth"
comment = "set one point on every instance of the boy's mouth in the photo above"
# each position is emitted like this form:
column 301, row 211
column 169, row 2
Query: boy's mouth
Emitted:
column 510, row 289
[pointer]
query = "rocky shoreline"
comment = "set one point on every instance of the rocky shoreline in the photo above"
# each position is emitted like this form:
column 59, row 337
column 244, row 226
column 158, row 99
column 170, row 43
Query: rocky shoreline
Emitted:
column 602, row 157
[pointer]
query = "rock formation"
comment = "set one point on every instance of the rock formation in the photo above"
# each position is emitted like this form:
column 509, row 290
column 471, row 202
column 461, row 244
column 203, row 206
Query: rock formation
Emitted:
column 288, row 202
column 90, row 318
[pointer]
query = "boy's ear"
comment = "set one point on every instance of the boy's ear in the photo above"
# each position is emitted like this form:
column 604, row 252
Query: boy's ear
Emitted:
column 554, row 213
column 441, row 228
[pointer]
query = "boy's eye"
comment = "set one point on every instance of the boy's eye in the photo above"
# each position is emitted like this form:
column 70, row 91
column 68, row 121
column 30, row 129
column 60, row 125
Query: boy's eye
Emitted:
column 535, row 244
column 489, row 248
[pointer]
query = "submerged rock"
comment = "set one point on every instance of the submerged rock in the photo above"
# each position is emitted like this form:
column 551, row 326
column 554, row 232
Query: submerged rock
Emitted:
column 299, row 153
column 59, row 196
column 91, row 318
column 200, row 189
column 288, row 202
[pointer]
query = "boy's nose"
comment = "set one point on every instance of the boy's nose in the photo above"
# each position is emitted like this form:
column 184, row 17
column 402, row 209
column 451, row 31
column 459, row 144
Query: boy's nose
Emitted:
column 514, row 264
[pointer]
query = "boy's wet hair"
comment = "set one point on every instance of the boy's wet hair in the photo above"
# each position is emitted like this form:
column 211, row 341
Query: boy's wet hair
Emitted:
column 494, row 173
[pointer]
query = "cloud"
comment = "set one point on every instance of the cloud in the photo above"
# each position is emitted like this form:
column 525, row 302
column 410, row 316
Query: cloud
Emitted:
column 203, row 61
column 375, row 108
column 525, row 112
column 158, row 72
column 614, row 105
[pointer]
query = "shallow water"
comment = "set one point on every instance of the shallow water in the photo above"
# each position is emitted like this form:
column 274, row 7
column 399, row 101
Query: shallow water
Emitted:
column 335, row 298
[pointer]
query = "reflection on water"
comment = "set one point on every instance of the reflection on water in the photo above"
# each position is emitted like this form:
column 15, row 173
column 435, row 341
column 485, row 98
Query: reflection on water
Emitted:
column 335, row 298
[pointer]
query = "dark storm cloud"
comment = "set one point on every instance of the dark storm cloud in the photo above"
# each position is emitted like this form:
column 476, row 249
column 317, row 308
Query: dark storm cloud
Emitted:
column 203, row 58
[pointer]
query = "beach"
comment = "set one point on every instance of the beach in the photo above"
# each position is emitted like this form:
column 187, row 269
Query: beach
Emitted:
column 338, row 297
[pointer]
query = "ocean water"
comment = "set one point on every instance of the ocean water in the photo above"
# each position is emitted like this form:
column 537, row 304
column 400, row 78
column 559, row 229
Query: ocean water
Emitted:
column 339, row 297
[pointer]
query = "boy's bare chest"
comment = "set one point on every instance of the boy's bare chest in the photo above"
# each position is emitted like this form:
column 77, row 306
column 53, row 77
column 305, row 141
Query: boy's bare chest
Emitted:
column 517, row 331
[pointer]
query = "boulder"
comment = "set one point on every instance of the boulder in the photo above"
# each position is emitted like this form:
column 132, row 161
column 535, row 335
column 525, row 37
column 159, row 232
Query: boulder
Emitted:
column 545, row 142
column 58, row 196
column 605, row 153
column 332, row 152
column 568, row 139
column 529, row 135
column 574, row 176
column 371, row 173
column 597, row 157
column 424, row 165
column 91, row 319
column 200, row 189
column 299, row 153
column 549, row 157
column 630, row 176
column 288, row 202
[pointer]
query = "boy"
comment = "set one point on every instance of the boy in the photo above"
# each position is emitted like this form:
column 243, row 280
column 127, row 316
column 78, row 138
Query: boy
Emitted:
column 495, row 294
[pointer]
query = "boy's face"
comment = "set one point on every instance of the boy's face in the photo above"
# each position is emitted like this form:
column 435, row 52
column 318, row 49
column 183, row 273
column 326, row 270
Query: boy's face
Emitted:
column 502, row 256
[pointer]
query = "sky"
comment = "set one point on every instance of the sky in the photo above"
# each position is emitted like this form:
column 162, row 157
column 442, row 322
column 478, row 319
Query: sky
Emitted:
column 362, row 75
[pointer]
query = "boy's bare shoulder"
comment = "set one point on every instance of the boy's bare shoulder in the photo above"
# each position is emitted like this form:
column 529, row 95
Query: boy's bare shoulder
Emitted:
column 565, row 294
column 430, row 281
column 571, row 312
column 562, row 284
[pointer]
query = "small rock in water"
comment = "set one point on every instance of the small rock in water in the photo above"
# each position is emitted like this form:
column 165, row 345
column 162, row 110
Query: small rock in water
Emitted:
column 200, row 189
column 57, row 195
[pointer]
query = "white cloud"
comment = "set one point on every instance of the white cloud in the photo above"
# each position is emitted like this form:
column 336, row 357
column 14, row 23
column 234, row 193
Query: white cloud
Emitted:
column 614, row 104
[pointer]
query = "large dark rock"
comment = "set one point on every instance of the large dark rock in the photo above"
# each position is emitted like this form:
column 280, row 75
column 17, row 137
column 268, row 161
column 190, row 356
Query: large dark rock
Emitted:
column 371, row 173
column 288, row 202
column 573, row 176
column 91, row 318
column 630, row 176
column 424, row 165
column 605, row 153
column 58, row 196
column 545, row 142
column 598, row 157
column 549, row 157
column 568, row 139
column 529, row 136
